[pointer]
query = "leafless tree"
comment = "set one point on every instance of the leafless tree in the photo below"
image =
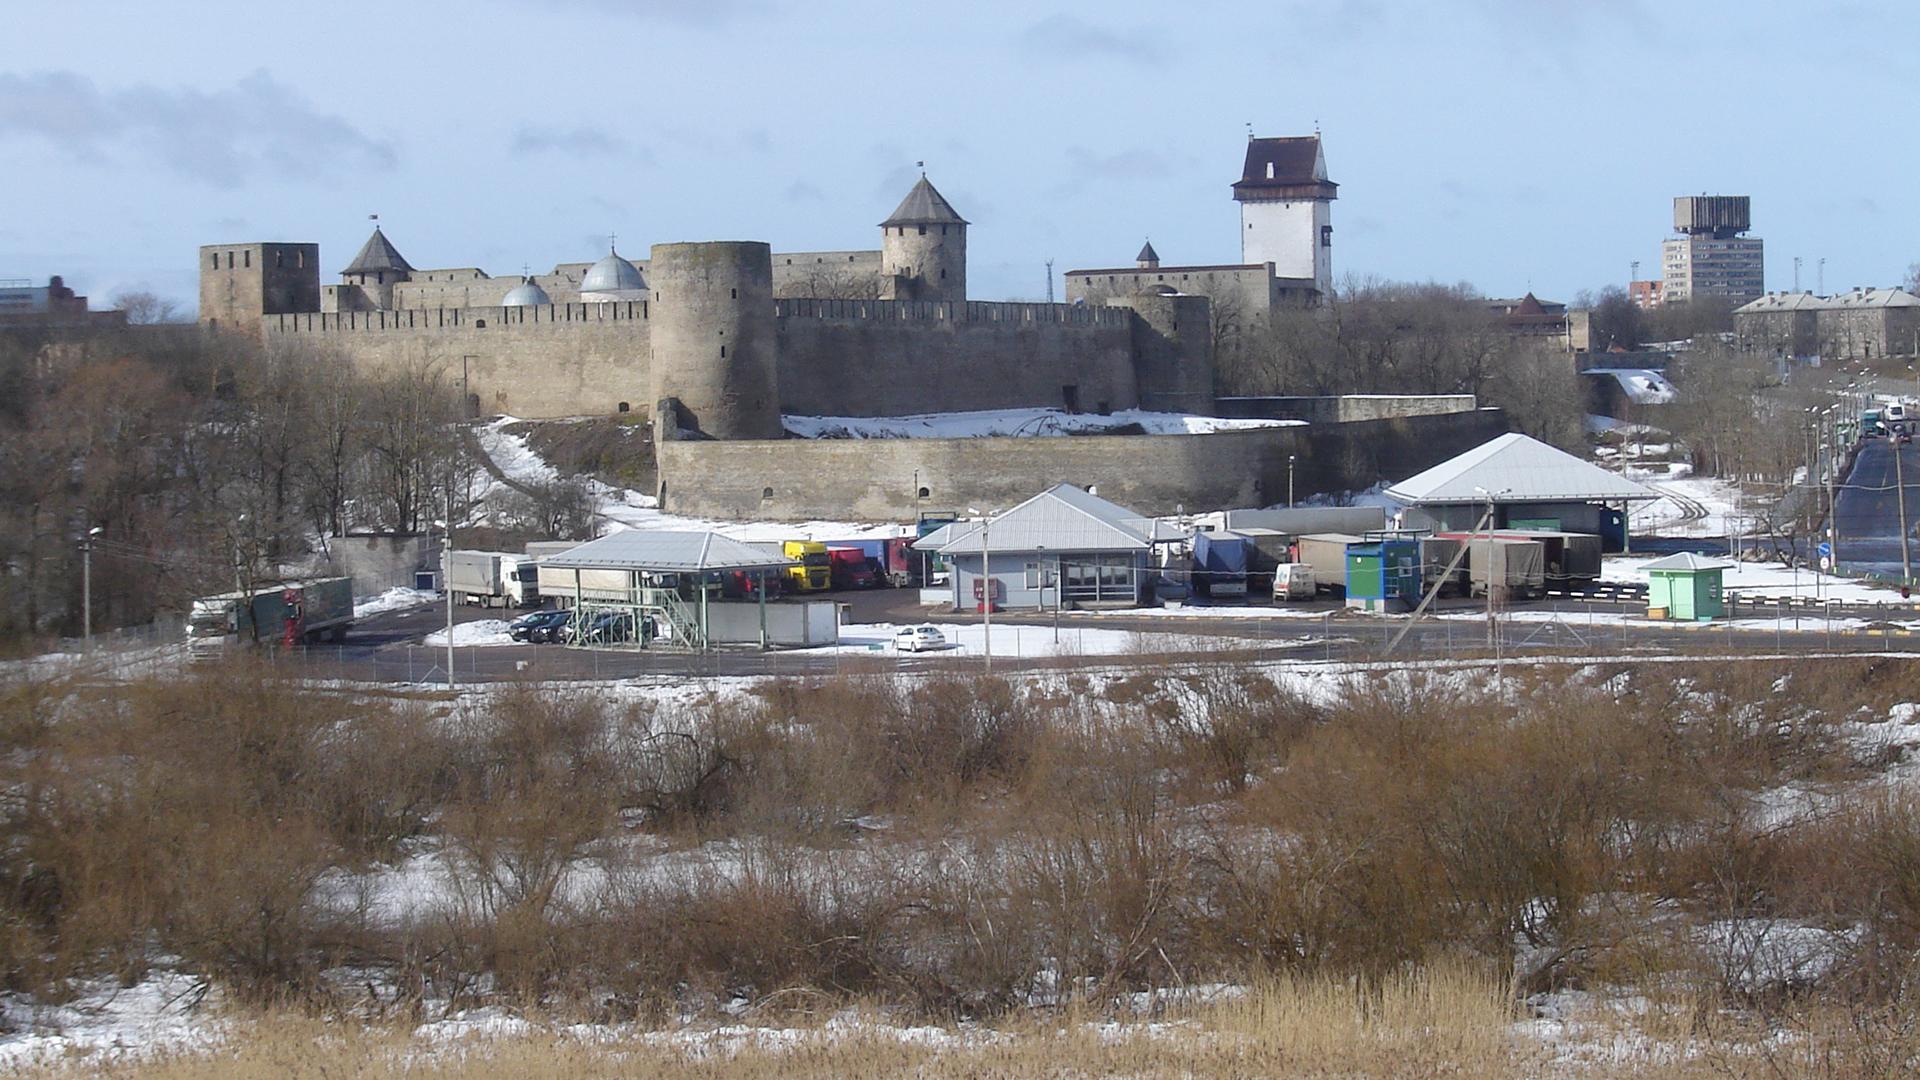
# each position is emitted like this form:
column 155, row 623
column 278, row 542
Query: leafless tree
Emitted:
column 144, row 308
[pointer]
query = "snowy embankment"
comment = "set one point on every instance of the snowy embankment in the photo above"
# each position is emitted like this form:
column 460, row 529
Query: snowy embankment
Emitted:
column 1015, row 423
column 398, row 598
column 1690, row 506
column 475, row 633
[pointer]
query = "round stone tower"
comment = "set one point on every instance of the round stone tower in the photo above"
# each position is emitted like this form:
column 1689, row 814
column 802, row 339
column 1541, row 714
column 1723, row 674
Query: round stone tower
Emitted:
column 923, row 247
column 712, row 335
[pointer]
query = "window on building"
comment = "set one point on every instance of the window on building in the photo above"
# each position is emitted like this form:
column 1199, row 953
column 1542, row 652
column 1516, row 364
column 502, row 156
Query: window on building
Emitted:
column 229, row 260
column 279, row 260
column 1326, row 236
column 624, row 407
column 215, row 257
column 766, row 493
column 1033, row 575
column 1269, row 170
column 246, row 259
column 723, row 352
column 733, row 294
column 922, row 228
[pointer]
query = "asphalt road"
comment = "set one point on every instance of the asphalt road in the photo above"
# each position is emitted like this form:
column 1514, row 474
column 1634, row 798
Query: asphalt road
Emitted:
column 387, row 648
column 1867, row 508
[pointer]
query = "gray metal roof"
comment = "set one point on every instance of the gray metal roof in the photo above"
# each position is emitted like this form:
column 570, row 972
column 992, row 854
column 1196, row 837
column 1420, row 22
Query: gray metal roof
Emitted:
column 924, row 206
column 667, row 551
column 1062, row 518
column 378, row 254
column 526, row 294
column 1147, row 254
column 1515, row 468
column 613, row 274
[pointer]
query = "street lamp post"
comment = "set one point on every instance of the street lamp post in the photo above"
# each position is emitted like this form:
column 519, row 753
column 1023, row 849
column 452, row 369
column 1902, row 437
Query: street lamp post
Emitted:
column 86, row 587
column 446, row 579
column 986, row 596
column 1290, row 459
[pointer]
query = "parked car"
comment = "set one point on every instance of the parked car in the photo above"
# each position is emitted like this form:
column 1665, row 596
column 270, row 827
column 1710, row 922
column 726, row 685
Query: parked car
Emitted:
column 1170, row 593
column 538, row 625
column 608, row 628
column 919, row 639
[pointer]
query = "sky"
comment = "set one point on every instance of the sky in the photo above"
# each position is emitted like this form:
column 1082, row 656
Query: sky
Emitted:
column 1517, row 145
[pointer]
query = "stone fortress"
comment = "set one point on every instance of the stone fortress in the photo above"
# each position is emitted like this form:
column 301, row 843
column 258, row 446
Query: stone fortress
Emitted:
column 714, row 341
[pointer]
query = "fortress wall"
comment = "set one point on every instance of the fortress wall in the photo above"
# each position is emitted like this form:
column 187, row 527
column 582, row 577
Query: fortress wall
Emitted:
column 553, row 360
column 895, row 358
column 876, row 480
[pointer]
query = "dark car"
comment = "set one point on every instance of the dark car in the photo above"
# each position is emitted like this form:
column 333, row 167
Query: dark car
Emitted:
column 611, row 627
column 538, row 625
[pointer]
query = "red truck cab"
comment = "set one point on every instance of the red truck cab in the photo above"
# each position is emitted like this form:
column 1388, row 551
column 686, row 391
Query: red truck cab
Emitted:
column 851, row 569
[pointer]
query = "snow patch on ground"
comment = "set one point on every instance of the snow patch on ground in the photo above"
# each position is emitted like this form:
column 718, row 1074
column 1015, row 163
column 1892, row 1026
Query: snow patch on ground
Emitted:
column 1012, row 640
column 1768, row 580
column 477, row 632
column 1013, row 422
column 161, row 1013
column 398, row 598
column 1690, row 506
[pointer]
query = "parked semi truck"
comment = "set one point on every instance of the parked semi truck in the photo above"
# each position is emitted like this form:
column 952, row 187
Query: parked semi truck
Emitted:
column 849, row 568
column 493, row 578
column 891, row 559
column 815, row 570
column 285, row 613
column 1220, row 565
column 1572, row 559
column 1326, row 553
column 1515, row 566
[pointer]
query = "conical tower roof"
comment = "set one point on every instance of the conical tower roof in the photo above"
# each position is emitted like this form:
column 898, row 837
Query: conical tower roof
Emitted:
column 1147, row 254
column 924, row 206
column 378, row 253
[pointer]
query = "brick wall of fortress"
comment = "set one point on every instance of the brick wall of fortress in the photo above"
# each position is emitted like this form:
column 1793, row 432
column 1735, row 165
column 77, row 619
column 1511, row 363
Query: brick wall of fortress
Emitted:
column 893, row 358
column 874, row 479
column 836, row 357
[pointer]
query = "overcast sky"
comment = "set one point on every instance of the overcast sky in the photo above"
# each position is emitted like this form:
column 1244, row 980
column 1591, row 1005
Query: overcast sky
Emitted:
column 1513, row 144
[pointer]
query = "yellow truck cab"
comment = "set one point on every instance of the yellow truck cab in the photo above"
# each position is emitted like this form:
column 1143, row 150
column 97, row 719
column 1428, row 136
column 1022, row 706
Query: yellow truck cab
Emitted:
column 815, row 572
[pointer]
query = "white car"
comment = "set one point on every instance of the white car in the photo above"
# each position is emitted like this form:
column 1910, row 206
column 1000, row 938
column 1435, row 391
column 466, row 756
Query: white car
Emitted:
column 919, row 638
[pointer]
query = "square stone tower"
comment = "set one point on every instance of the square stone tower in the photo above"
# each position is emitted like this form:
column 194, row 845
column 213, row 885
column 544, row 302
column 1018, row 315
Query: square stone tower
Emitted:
column 1286, row 204
column 241, row 282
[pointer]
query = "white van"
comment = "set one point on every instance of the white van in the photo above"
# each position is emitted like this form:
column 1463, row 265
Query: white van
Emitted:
column 1293, row 581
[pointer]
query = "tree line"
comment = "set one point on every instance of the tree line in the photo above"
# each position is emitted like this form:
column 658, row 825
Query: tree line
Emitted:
column 203, row 460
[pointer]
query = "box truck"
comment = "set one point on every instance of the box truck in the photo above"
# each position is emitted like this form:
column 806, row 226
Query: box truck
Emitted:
column 1326, row 553
column 1516, row 567
column 1220, row 565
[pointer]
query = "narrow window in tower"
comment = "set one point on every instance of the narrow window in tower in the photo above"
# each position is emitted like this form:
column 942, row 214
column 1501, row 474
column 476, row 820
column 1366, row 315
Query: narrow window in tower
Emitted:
column 229, row 260
column 215, row 257
column 723, row 352
column 246, row 259
column 1326, row 236
column 923, row 229
column 279, row 260
column 943, row 275
column 943, row 230
column 1269, row 170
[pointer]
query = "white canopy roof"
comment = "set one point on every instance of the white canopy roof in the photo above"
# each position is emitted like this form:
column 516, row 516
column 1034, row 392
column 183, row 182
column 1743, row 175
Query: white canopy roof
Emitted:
column 1514, row 469
column 1687, row 560
column 1062, row 518
column 667, row 551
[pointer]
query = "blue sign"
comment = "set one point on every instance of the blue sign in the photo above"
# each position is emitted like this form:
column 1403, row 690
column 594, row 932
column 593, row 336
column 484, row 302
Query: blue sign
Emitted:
column 1823, row 549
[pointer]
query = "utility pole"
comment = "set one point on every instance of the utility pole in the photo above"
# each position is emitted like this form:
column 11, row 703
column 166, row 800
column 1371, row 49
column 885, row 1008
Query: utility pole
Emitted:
column 1906, row 528
column 446, row 580
column 1290, row 481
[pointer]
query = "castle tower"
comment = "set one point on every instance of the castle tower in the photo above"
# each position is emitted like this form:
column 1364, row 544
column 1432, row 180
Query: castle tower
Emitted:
column 1172, row 351
column 241, row 282
column 923, row 247
column 1286, row 209
column 1148, row 259
column 712, row 333
column 375, row 271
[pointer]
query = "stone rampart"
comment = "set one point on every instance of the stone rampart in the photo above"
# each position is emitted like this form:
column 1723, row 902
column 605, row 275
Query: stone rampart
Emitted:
column 889, row 479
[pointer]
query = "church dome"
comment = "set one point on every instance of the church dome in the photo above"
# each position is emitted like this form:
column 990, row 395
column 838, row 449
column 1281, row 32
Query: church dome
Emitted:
column 612, row 278
column 526, row 294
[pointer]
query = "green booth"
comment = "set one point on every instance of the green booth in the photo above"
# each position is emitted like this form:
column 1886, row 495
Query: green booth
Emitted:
column 1685, row 587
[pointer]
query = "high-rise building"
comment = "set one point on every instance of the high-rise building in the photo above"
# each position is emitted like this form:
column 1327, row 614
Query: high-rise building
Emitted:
column 1712, row 258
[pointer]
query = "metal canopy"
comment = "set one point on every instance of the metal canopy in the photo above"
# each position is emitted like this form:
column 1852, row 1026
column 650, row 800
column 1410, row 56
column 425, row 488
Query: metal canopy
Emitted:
column 1516, row 469
column 1062, row 518
column 667, row 551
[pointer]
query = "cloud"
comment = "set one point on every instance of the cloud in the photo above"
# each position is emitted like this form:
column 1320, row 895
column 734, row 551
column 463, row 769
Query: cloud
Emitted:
column 1068, row 36
column 219, row 137
column 1134, row 163
column 573, row 142
column 801, row 191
